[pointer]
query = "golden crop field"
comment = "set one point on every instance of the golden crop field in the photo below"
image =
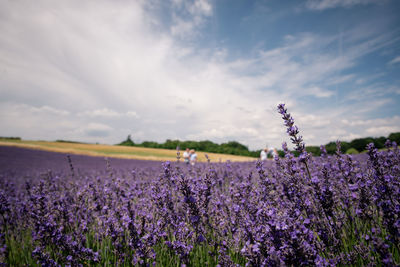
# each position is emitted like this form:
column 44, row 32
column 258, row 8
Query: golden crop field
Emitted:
column 116, row 151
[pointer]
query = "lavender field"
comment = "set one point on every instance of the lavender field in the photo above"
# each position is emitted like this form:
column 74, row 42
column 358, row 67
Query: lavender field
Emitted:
column 59, row 210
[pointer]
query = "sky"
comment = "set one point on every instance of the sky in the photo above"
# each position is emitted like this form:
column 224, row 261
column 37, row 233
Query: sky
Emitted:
column 97, row 71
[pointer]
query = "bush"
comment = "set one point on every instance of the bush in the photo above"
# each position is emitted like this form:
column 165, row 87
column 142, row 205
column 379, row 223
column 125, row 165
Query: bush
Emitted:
column 352, row 151
column 315, row 150
column 127, row 142
column 395, row 137
column 10, row 138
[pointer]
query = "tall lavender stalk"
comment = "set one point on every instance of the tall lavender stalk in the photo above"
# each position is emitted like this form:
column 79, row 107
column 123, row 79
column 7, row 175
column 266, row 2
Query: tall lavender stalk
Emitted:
column 293, row 132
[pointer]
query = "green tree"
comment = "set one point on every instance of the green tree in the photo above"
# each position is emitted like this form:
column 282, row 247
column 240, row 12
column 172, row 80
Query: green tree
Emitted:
column 127, row 142
column 395, row 137
column 150, row 144
column 170, row 144
column 351, row 151
column 380, row 142
column 361, row 143
column 330, row 147
column 315, row 150
column 345, row 146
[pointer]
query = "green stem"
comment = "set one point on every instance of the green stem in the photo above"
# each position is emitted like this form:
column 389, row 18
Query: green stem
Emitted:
column 308, row 171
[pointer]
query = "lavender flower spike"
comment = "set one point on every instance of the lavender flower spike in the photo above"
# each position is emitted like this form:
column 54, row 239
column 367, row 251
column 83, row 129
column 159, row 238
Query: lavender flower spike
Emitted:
column 297, row 140
column 292, row 129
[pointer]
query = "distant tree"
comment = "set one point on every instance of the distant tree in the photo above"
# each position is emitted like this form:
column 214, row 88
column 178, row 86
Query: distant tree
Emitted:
column 361, row 143
column 395, row 137
column 256, row 153
column 234, row 144
column 69, row 141
column 380, row 142
column 207, row 146
column 236, row 148
column 296, row 153
column 170, row 144
column 344, row 146
column 315, row 150
column 11, row 138
column 150, row 144
column 330, row 147
column 351, row 151
column 127, row 142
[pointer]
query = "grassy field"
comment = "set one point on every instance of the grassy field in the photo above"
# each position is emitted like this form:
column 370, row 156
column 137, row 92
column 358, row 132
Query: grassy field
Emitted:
column 116, row 151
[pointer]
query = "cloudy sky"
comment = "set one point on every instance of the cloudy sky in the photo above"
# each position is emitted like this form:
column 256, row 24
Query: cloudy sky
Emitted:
column 96, row 71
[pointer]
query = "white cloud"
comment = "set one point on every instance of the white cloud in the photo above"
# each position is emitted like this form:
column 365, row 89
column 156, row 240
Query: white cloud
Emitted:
column 327, row 4
column 202, row 7
column 357, row 128
column 196, row 12
column 29, row 122
column 315, row 121
column 182, row 27
column 319, row 92
column 344, row 136
column 132, row 114
column 99, row 71
column 340, row 79
column 372, row 122
column 108, row 113
column 48, row 110
column 395, row 60
column 97, row 130
column 383, row 130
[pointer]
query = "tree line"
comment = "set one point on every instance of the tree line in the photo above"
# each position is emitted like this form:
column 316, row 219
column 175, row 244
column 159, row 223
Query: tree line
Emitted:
column 355, row 146
column 235, row 148
column 232, row 147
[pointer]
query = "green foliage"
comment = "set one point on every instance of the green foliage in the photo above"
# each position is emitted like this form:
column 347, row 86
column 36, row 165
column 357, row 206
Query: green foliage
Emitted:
column 67, row 141
column 20, row 246
column 236, row 148
column 314, row 150
column 255, row 154
column 231, row 147
column 127, row 142
column 380, row 142
column 296, row 153
column 150, row 144
column 352, row 151
column 344, row 146
column 358, row 144
column 361, row 143
column 331, row 148
column 395, row 137
column 10, row 138
column 170, row 144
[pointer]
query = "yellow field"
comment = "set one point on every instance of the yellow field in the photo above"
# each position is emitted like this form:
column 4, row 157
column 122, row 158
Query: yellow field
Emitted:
column 116, row 151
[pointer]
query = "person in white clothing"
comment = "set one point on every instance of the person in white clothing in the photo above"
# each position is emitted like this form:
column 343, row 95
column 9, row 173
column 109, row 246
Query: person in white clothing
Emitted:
column 263, row 154
column 186, row 156
column 273, row 152
column 193, row 157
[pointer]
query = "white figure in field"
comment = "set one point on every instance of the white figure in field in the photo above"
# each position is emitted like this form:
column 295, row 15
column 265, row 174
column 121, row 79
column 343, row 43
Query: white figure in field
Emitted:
column 193, row 157
column 263, row 154
column 268, row 151
column 186, row 156
column 273, row 152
